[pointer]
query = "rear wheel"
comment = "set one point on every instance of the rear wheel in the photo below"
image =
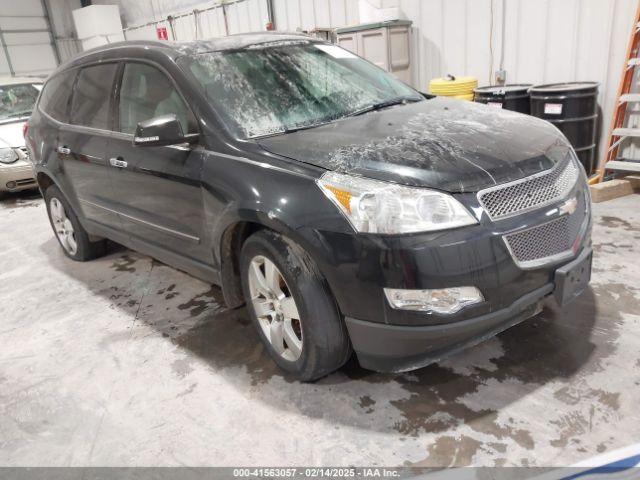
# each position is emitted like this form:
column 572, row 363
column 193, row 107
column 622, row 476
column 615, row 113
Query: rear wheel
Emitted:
column 71, row 235
column 290, row 304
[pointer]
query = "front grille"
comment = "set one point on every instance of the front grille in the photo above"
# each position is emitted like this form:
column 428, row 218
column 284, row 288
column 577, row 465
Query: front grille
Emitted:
column 549, row 241
column 25, row 151
column 25, row 182
column 529, row 193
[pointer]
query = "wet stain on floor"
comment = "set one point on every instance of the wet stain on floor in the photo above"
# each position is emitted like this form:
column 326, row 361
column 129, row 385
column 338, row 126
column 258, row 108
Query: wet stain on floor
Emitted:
column 615, row 222
column 20, row 200
column 200, row 303
column 124, row 263
column 449, row 451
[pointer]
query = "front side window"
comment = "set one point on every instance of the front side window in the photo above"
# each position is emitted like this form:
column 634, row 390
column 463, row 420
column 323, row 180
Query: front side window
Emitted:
column 145, row 93
column 92, row 95
column 272, row 88
column 54, row 100
column 17, row 101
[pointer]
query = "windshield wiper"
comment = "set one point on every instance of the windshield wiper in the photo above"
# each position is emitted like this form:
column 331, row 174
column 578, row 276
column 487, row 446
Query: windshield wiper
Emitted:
column 380, row 105
column 286, row 130
column 304, row 127
column 368, row 108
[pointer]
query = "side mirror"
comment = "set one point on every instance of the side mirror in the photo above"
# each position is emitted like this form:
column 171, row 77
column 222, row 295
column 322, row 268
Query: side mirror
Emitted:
column 159, row 131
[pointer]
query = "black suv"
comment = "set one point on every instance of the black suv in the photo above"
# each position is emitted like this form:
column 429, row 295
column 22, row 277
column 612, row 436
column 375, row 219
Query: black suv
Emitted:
column 348, row 210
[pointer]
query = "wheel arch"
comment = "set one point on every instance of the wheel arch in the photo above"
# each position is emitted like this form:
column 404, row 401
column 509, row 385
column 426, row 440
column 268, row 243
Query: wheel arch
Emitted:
column 44, row 181
column 230, row 245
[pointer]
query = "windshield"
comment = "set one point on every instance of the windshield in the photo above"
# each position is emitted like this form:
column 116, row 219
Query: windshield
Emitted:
column 17, row 101
column 275, row 88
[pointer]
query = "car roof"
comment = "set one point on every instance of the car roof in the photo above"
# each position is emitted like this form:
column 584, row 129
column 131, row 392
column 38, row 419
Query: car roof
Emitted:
column 19, row 80
column 176, row 49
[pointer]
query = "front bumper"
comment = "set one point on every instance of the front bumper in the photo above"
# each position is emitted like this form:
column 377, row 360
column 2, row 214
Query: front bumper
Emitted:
column 17, row 176
column 395, row 348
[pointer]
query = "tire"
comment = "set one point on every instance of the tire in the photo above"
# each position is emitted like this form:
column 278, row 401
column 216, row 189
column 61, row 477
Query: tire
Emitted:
column 322, row 343
column 83, row 248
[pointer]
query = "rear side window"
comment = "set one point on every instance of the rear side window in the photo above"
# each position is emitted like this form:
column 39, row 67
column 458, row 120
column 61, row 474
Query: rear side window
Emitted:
column 55, row 96
column 92, row 95
column 146, row 92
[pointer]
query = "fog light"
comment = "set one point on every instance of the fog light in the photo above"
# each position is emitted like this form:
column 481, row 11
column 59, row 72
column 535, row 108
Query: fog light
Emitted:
column 11, row 185
column 443, row 301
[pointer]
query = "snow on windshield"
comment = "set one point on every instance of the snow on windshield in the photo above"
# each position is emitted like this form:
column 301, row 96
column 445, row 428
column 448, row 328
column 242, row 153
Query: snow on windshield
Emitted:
column 271, row 88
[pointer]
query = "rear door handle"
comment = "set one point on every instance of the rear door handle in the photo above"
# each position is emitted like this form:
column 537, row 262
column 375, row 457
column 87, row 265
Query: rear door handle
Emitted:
column 116, row 162
column 64, row 150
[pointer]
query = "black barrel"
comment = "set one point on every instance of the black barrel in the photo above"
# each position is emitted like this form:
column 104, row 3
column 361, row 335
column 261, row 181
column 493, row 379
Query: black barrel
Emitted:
column 510, row 97
column 573, row 108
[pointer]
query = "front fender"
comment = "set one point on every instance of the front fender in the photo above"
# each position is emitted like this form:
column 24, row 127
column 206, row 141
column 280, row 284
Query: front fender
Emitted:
column 243, row 195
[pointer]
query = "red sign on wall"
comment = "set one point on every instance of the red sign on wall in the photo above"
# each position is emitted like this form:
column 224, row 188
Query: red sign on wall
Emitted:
column 162, row 33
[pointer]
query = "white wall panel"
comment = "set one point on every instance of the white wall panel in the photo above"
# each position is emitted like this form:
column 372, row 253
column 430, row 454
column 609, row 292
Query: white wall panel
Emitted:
column 322, row 12
column 292, row 15
column 338, row 11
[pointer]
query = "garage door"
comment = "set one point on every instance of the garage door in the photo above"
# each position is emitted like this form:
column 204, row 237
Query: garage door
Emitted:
column 26, row 40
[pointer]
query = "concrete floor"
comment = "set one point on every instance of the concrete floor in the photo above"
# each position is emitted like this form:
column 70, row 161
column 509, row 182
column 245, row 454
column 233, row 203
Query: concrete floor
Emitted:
column 124, row 361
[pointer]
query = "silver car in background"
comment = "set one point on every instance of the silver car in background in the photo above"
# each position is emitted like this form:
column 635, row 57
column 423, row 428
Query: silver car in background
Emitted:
column 17, row 98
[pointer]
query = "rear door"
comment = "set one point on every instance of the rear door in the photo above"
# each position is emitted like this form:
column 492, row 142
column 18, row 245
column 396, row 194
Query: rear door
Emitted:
column 159, row 187
column 83, row 141
column 51, row 112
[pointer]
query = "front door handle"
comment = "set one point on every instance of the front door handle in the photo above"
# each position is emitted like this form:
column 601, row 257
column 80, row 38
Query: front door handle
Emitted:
column 116, row 162
column 64, row 150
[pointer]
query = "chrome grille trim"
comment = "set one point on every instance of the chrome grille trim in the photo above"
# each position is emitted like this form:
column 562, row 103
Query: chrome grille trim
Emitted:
column 536, row 191
column 551, row 241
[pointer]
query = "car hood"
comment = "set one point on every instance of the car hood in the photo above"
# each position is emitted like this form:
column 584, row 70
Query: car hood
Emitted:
column 11, row 134
column 445, row 144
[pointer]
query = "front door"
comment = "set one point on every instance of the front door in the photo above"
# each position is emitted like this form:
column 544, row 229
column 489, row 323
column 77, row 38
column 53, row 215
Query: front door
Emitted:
column 159, row 187
column 83, row 142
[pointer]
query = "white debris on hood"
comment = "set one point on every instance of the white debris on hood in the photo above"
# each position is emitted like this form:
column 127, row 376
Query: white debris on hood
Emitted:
column 470, row 133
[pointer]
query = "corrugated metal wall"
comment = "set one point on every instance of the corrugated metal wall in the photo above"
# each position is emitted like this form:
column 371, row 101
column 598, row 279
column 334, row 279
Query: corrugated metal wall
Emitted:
column 241, row 16
column 308, row 14
column 25, row 38
column 63, row 27
column 544, row 40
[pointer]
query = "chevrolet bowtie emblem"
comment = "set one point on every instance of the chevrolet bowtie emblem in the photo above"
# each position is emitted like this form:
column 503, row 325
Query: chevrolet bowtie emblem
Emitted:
column 568, row 207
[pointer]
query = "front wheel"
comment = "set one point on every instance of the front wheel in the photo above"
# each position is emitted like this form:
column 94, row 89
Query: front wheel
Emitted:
column 290, row 304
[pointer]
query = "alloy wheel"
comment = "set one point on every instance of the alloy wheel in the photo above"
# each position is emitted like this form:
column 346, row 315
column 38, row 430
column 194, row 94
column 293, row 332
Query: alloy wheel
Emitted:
column 63, row 226
column 275, row 308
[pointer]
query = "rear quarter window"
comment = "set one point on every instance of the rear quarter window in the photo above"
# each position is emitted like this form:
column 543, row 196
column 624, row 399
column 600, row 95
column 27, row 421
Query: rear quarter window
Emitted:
column 54, row 100
column 92, row 96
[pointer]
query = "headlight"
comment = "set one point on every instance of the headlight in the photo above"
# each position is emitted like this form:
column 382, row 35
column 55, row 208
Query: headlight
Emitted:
column 372, row 206
column 7, row 155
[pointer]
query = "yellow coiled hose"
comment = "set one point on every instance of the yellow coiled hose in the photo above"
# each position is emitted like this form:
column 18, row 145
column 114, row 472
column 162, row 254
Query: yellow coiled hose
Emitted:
column 456, row 87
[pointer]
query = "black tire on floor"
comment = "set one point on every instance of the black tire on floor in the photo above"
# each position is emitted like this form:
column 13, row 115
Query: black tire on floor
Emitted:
column 86, row 249
column 325, row 341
